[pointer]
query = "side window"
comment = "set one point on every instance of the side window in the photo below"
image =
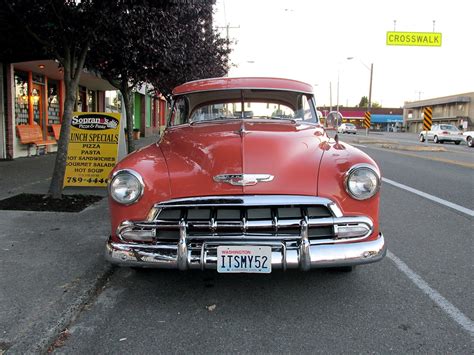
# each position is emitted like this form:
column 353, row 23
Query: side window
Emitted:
column 180, row 112
column 303, row 110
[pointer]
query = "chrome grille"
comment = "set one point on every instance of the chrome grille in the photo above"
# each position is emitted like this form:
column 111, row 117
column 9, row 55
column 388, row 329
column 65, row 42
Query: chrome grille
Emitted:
column 263, row 218
column 245, row 220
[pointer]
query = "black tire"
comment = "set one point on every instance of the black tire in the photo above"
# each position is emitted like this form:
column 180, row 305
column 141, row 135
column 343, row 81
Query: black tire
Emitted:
column 457, row 142
column 469, row 142
column 422, row 138
column 435, row 139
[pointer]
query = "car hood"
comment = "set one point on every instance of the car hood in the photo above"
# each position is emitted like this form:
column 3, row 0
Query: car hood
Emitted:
column 195, row 154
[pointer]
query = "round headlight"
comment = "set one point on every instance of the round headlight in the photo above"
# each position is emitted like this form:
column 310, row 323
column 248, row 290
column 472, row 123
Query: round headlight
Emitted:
column 362, row 182
column 126, row 186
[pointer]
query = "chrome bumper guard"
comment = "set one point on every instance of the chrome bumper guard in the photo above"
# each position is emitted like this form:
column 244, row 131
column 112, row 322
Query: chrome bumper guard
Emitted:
column 305, row 256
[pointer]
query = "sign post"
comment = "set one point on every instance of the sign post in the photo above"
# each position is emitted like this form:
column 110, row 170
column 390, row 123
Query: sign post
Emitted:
column 92, row 149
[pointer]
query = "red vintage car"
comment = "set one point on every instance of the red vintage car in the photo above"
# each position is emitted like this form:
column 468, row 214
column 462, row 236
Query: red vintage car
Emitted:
column 245, row 179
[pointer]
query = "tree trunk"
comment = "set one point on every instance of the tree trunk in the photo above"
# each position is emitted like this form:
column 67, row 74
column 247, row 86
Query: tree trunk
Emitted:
column 126, row 92
column 72, row 71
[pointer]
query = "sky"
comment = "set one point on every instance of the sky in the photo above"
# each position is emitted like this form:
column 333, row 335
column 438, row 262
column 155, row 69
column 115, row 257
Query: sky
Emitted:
column 310, row 40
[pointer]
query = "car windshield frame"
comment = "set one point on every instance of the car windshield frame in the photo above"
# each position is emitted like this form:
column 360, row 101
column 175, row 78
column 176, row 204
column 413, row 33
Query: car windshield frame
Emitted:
column 186, row 105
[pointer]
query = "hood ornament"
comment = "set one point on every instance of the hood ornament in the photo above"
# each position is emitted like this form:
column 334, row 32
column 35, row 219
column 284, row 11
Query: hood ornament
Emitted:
column 243, row 179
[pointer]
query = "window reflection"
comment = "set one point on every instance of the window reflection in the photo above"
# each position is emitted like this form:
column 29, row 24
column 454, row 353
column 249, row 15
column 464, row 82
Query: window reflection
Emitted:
column 21, row 98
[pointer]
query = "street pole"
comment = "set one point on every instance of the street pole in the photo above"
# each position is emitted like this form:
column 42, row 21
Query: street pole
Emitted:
column 369, row 104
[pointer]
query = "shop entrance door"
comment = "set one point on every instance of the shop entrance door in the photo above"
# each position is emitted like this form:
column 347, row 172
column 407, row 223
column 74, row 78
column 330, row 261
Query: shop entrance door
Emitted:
column 37, row 100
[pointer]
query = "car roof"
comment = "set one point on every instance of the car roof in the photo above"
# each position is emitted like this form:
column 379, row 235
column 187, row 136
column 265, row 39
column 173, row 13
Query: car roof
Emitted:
column 243, row 83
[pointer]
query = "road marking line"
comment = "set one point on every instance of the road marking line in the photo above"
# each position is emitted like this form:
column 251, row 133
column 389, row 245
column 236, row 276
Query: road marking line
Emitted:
column 435, row 296
column 358, row 145
column 454, row 206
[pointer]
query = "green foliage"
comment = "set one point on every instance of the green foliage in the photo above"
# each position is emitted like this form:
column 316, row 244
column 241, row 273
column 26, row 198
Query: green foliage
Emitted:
column 364, row 102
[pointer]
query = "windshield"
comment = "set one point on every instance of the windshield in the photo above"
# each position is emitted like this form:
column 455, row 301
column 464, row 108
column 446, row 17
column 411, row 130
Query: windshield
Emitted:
column 243, row 104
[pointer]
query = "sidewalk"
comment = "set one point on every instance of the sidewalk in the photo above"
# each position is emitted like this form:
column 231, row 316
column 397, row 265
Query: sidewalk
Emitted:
column 51, row 263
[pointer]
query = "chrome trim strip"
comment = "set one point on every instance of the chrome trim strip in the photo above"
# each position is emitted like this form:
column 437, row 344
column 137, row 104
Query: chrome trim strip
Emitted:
column 245, row 200
column 243, row 179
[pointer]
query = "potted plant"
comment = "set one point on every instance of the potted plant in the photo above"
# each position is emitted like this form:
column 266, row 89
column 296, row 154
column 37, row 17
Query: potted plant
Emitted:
column 136, row 133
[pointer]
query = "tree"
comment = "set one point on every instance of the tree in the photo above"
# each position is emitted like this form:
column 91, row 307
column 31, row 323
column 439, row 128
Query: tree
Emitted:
column 161, row 43
column 124, row 49
column 64, row 29
column 192, row 49
column 364, row 102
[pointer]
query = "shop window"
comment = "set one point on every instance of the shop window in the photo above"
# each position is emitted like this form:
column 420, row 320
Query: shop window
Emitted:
column 91, row 100
column 53, row 102
column 21, row 98
column 113, row 101
column 37, row 104
column 81, row 100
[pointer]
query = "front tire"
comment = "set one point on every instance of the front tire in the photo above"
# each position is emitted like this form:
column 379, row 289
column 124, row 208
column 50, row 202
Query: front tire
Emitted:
column 469, row 142
column 422, row 138
column 435, row 139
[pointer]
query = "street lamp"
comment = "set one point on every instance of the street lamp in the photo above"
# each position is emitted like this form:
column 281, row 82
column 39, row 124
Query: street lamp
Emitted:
column 371, row 69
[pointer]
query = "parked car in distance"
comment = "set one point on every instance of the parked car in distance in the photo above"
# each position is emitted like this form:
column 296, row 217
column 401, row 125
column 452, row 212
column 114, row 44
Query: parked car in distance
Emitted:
column 441, row 133
column 469, row 136
column 236, row 192
column 347, row 128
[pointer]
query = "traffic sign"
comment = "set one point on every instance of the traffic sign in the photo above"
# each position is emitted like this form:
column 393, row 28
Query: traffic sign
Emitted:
column 427, row 118
column 367, row 120
column 423, row 39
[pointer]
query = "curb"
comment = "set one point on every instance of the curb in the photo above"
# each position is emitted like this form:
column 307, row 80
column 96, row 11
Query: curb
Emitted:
column 413, row 148
column 84, row 293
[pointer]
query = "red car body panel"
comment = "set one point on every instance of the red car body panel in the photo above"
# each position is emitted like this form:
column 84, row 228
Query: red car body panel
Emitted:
column 243, row 83
column 337, row 160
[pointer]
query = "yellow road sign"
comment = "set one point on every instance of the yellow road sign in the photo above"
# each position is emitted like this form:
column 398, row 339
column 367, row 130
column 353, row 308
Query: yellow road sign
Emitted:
column 367, row 119
column 427, row 118
column 424, row 39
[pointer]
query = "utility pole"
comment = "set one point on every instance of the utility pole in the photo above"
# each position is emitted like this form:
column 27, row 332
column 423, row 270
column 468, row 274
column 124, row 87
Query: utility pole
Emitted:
column 227, row 28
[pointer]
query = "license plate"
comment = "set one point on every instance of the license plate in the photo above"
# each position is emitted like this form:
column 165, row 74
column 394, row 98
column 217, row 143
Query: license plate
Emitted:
column 245, row 259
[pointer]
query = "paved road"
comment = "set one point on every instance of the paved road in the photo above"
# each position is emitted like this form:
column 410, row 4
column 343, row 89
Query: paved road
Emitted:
column 418, row 299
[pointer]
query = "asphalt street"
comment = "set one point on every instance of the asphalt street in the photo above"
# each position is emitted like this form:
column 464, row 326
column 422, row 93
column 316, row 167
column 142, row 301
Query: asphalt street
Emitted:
column 419, row 299
column 56, row 288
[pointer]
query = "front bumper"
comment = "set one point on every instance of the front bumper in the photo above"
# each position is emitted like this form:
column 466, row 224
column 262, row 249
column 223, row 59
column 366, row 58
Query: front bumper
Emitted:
column 304, row 256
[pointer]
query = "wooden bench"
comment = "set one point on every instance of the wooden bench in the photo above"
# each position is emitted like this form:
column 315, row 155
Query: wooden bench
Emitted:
column 32, row 136
column 56, row 128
